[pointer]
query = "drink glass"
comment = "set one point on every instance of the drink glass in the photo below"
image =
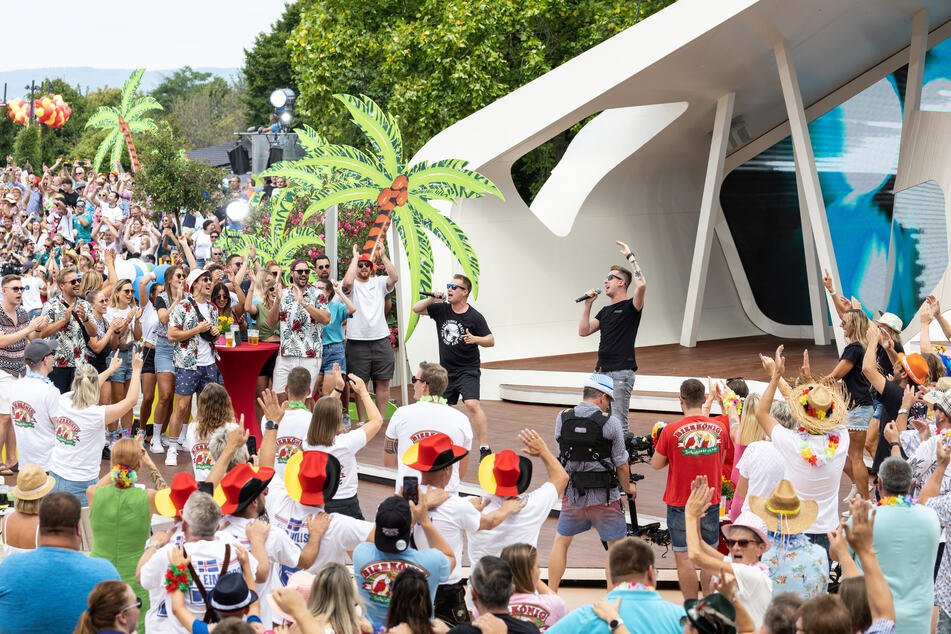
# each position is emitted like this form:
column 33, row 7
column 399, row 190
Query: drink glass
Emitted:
column 229, row 338
column 253, row 337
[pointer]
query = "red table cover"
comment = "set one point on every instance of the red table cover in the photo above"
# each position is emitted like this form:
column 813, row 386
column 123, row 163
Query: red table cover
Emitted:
column 239, row 367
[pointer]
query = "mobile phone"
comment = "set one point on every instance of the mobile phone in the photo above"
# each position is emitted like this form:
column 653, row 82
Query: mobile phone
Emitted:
column 252, row 445
column 411, row 489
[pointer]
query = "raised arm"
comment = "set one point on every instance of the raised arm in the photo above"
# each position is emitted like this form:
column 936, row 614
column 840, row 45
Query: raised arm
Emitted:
column 932, row 487
column 869, row 364
column 433, row 537
column 422, row 306
column 115, row 412
column 775, row 368
column 840, row 307
column 936, row 311
column 351, row 273
column 273, row 410
column 926, row 316
column 701, row 554
column 392, row 275
column 536, row 446
column 638, row 281
column 860, row 539
column 338, row 292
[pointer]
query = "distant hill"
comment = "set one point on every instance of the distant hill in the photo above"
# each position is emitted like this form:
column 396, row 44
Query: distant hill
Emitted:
column 92, row 78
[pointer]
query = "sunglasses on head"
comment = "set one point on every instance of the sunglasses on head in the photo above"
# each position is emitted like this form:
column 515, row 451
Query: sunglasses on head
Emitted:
column 453, row 287
column 364, row 265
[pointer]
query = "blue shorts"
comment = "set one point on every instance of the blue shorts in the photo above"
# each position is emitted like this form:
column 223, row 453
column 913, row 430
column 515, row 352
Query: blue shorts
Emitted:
column 858, row 418
column 677, row 525
column 187, row 382
column 124, row 373
column 76, row 487
column 333, row 353
column 163, row 356
column 608, row 519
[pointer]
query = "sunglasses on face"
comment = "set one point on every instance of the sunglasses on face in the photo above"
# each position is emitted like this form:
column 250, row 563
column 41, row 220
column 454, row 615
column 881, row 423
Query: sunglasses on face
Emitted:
column 137, row 604
column 301, row 271
column 453, row 287
column 742, row 543
column 15, row 289
column 76, row 281
column 613, row 277
column 321, row 267
column 416, row 380
column 364, row 265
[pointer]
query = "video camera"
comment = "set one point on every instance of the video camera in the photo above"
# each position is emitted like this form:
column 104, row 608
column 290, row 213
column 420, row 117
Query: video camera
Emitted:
column 640, row 449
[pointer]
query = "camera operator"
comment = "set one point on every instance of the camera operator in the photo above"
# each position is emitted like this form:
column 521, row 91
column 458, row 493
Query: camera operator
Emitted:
column 591, row 447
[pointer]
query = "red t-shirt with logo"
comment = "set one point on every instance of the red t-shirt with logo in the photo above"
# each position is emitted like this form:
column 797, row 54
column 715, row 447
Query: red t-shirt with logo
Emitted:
column 724, row 420
column 694, row 446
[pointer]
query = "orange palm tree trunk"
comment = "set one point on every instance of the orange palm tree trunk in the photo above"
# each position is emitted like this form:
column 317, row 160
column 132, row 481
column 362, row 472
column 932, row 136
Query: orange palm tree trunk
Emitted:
column 374, row 243
column 127, row 135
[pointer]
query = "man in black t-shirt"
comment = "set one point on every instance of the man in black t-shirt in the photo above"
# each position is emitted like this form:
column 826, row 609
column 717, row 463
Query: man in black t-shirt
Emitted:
column 618, row 323
column 491, row 585
column 462, row 329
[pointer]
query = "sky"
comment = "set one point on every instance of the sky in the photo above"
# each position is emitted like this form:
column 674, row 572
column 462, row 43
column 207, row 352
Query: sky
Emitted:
column 144, row 33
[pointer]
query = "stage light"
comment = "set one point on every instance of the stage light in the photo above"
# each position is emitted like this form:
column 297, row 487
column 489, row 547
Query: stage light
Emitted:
column 282, row 96
column 238, row 210
column 286, row 117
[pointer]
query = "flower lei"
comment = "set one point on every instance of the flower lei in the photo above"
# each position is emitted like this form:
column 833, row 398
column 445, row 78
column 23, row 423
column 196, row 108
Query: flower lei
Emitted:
column 296, row 405
column 897, row 500
column 428, row 398
column 812, row 458
column 631, row 585
column 731, row 398
column 123, row 476
column 176, row 578
column 812, row 411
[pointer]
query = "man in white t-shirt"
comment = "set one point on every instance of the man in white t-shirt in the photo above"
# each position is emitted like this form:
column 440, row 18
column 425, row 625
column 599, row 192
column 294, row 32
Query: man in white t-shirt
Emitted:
column 34, row 401
column 453, row 516
column 202, row 241
column 507, row 475
column 369, row 351
column 291, row 430
column 747, row 540
column 210, row 557
column 428, row 416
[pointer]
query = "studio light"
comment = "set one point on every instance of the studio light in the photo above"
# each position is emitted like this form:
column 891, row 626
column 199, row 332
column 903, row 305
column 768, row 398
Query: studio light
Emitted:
column 282, row 97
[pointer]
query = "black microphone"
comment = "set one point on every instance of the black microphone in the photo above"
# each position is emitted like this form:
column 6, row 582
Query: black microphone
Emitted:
column 597, row 291
column 425, row 294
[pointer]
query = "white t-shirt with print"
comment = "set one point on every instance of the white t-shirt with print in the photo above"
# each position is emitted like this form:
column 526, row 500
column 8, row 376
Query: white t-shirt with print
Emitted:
column 207, row 557
column 281, row 551
column 454, row 519
column 345, row 450
column 33, row 402
column 520, row 527
column 206, row 354
column 369, row 322
column 291, row 438
column 763, row 466
column 200, row 451
column 80, row 436
column 157, row 596
column 342, row 536
column 819, row 483
column 412, row 423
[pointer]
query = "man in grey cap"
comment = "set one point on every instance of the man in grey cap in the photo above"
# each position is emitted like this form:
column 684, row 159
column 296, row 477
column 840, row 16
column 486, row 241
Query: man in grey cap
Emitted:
column 921, row 458
column 33, row 403
column 591, row 447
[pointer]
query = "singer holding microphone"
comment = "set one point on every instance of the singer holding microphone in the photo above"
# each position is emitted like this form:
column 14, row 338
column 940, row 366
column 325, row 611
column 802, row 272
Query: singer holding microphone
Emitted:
column 462, row 329
column 618, row 323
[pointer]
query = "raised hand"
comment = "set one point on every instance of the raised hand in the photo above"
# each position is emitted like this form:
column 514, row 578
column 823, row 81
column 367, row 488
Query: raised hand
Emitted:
column 137, row 362
column 625, row 250
column 827, row 282
column 339, row 383
column 872, row 334
column 700, row 495
column 271, row 406
column 357, row 384
column 534, row 444
column 115, row 363
column 934, row 304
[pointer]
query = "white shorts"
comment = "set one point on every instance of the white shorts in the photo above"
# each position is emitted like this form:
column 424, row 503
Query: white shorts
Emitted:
column 6, row 385
column 282, row 367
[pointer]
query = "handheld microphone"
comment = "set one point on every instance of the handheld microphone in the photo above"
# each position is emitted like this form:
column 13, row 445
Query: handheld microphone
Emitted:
column 597, row 291
column 426, row 294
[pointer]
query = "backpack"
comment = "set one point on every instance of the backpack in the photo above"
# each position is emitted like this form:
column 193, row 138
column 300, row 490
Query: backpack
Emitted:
column 582, row 439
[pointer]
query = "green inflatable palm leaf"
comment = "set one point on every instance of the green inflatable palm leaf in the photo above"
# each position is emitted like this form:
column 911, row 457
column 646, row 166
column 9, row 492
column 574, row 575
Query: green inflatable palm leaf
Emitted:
column 381, row 130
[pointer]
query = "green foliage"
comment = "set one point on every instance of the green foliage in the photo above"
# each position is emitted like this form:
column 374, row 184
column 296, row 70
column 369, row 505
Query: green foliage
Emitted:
column 209, row 114
column 26, row 148
column 430, row 63
column 267, row 66
column 169, row 181
column 179, row 85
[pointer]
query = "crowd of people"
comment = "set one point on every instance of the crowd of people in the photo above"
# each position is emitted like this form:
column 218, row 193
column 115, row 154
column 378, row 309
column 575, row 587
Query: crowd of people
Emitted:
column 272, row 535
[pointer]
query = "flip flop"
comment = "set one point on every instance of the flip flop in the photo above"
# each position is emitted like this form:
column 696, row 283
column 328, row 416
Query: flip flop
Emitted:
column 7, row 472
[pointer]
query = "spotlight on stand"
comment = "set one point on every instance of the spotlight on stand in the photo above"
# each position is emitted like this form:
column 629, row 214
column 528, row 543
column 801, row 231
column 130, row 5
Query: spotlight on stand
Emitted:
column 283, row 101
column 238, row 210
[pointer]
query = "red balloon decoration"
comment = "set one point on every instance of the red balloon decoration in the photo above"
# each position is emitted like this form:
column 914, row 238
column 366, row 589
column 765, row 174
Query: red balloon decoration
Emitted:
column 49, row 110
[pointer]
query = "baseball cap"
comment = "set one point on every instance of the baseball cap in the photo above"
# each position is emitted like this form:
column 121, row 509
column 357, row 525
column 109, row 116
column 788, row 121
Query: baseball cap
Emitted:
column 601, row 382
column 39, row 349
column 394, row 525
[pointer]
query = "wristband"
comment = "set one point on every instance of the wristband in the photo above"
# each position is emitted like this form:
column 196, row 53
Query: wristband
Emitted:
column 176, row 578
column 902, row 411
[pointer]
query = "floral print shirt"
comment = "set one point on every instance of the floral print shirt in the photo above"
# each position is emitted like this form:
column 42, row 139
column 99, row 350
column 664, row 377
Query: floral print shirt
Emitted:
column 300, row 335
column 941, row 505
column 185, row 317
column 71, row 345
column 796, row 565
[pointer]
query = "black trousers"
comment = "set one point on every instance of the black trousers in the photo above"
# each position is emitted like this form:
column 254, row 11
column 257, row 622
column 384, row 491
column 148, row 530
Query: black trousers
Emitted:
column 62, row 378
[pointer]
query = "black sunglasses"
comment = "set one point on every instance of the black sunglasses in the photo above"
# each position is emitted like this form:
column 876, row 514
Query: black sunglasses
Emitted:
column 15, row 289
column 364, row 265
column 416, row 379
column 321, row 267
column 137, row 604
column 742, row 543
column 301, row 271
column 613, row 277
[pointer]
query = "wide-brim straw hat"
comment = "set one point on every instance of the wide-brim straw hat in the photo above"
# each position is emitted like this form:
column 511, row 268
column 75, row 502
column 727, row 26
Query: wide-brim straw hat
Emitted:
column 32, row 483
column 783, row 511
column 818, row 407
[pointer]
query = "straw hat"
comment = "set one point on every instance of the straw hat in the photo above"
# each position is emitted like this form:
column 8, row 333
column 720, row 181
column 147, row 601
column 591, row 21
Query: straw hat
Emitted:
column 32, row 483
column 784, row 510
column 817, row 407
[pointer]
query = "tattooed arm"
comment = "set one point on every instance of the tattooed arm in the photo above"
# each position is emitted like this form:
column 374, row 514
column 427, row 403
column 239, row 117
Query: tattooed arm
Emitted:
column 637, row 282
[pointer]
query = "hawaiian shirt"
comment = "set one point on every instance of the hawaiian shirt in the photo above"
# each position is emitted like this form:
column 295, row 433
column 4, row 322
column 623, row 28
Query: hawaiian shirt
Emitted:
column 941, row 505
column 796, row 565
column 11, row 357
column 923, row 464
column 70, row 342
column 185, row 317
column 300, row 335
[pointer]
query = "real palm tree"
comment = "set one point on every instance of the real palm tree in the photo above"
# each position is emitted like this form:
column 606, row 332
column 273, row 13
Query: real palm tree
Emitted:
column 381, row 177
column 123, row 121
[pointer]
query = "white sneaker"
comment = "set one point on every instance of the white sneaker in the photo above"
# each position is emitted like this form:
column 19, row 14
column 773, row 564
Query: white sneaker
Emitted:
column 171, row 458
column 164, row 440
column 156, row 445
column 852, row 493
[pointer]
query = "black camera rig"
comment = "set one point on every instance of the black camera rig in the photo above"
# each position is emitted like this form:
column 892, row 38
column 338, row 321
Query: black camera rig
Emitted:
column 640, row 449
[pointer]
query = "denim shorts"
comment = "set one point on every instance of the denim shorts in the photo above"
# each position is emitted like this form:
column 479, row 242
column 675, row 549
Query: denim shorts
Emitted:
column 163, row 356
column 124, row 373
column 76, row 487
column 187, row 382
column 333, row 353
column 677, row 525
column 859, row 417
column 608, row 519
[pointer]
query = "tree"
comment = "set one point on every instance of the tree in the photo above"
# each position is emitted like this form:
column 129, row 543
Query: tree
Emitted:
column 26, row 148
column 121, row 122
column 179, row 85
column 267, row 66
column 430, row 63
column 380, row 177
column 208, row 115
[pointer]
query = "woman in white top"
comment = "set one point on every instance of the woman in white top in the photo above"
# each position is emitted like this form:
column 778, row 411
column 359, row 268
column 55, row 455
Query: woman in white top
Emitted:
column 122, row 316
column 326, row 434
column 214, row 412
column 21, row 528
column 99, row 347
column 80, row 427
column 150, row 323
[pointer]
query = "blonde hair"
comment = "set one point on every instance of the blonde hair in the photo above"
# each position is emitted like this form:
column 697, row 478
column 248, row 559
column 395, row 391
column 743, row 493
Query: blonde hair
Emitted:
column 85, row 386
column 856, row 324
column 334, row 595
column 214, row 410
column 92, row 281
column 126, row 452
column 325, row 421
column 750, row 430
column 114, row 298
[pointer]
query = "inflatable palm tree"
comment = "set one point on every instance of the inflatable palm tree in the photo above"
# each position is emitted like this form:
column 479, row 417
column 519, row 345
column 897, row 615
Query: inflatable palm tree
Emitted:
column 403, row 194
column 123, row 121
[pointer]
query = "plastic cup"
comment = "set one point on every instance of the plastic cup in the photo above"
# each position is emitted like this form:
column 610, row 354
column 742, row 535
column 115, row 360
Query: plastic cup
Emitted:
column 253, row 337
